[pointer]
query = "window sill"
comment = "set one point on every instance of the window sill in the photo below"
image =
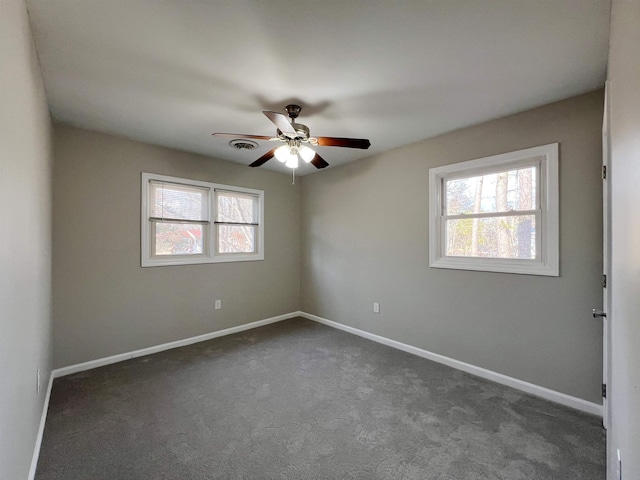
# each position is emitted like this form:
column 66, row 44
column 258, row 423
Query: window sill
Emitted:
column 166, row 262
column 521, row 267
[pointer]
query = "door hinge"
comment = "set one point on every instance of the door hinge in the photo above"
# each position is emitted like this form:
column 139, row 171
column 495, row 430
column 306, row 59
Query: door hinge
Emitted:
column 604, row 172
column 604, row 281
column 604, row 390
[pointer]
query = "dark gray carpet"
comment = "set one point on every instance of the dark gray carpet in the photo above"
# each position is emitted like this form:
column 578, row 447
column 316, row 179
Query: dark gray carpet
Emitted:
column 299, row 400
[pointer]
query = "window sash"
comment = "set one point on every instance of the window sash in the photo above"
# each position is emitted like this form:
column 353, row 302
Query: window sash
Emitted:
column 154, row 185
column 242, row 238
column 255, row 213
column 255, row 232
column 538, row 237
column 153, row 244
column 494, row 170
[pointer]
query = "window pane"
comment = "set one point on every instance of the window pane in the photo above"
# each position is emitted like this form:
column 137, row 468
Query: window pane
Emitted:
column 177, row 202
column 236, row 239
column 495, row 237
column 236, row 207
column 178, row 238
column 496, row 192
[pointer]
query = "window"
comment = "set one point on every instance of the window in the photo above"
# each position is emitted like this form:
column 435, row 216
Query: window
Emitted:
column 177, row 228
column 497, row 214
column 236, row 222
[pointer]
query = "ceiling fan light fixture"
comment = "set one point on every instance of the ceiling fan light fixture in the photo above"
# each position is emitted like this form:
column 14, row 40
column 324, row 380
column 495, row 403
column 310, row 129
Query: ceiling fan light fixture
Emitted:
column 282, row 153
column 292, row 161
column 306, row 153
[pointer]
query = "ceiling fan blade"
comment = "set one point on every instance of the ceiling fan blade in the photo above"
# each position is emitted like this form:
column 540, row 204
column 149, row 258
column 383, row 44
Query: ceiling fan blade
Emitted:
column 343, row 142
column 242, row 135
column 319, row 162
column 282, row 123
column 264, row 158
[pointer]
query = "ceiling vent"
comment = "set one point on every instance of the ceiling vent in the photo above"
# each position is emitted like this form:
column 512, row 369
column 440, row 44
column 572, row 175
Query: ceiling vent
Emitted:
column 243, row 144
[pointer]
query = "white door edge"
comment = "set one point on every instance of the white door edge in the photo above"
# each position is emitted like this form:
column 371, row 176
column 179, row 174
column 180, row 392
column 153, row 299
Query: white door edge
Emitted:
column 606, row 261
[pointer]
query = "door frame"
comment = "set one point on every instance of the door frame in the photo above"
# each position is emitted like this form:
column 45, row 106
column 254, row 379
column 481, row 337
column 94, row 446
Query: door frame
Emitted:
column 606, row 259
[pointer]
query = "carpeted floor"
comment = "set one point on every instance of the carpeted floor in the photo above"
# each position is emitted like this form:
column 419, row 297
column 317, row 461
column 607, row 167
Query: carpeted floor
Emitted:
column 299, row 400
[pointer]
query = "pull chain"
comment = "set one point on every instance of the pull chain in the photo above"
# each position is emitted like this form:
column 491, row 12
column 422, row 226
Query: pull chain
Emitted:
column 293, row 180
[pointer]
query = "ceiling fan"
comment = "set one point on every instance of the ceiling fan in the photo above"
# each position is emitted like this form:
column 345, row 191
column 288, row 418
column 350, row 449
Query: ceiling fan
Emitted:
column 294, row 135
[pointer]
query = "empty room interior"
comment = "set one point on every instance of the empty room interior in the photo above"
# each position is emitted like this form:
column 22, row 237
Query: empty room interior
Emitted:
column 196, row 283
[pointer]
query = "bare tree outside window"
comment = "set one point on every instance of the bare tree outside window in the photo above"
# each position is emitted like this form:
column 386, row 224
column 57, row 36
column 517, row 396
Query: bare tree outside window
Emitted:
column 236, row 221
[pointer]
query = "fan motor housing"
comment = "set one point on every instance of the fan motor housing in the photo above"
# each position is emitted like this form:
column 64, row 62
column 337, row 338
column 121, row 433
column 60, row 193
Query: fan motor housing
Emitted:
column 301, row 130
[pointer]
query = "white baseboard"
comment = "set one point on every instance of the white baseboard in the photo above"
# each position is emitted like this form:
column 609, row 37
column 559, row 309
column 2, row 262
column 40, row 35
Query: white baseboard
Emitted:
column 543, row 392
column 43, row 420
column 100, row 362
column 546, row 393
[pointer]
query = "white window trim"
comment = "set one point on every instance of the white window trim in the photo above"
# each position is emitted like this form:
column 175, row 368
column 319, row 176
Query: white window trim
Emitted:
column 209, row 254
column 547, row 242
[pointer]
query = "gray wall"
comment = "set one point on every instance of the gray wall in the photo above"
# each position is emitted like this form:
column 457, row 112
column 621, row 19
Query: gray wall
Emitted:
column 104, row 303
column 365, row 239
column 25, row 257
column 624, row 75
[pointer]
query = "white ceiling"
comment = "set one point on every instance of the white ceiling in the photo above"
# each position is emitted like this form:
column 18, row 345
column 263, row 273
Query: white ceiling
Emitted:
column 171, row 73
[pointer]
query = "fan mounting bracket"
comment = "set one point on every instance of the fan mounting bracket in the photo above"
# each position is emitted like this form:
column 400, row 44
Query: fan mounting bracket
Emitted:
column 293, row 111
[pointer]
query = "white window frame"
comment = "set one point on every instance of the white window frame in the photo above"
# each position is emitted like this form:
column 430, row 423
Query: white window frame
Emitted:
column 547, row 259
column 209, row 238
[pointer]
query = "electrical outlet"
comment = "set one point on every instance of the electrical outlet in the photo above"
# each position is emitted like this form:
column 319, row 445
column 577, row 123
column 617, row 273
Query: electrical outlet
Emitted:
column 376, row 307
column 38, row 382
column 218, row 304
